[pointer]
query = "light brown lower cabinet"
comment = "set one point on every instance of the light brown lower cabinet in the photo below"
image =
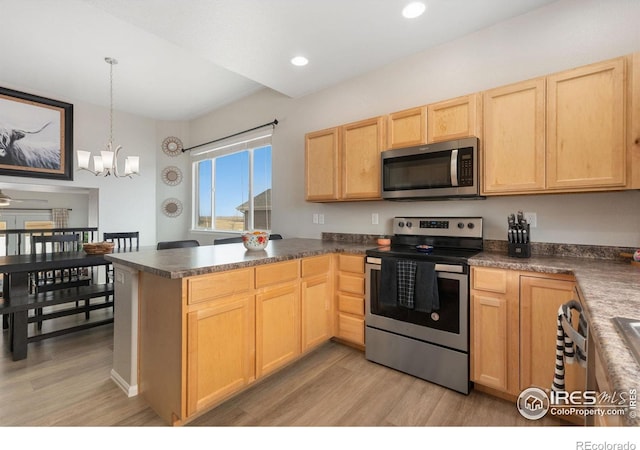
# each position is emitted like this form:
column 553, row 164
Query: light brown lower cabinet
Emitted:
column 316, row 309
column 495, row 329
column 540, row 299
column 350, row 299
column 603, row 385
column 205, row 338
column 513, row 330
column 220, row 351
column 277, row 327
column 316, row 290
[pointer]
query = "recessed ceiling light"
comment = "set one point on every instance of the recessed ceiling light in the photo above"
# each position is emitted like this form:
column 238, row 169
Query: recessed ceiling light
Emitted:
column 299, row 61
column 413, row 10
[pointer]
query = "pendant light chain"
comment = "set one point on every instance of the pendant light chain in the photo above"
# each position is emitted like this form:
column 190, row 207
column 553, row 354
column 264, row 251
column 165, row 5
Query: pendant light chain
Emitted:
column 111, row 62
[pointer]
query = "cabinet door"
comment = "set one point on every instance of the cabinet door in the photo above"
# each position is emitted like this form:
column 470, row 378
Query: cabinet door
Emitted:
column 495, row 330
column 490, row 352
column 322, row 165
column 362, row 144
column 540, row 299
column 633, row 144
column 513, row 150
column 407, row 128
column 220, row 343
column 585, row 127
column 277, row 327
column 316, row 301
column 454, row 119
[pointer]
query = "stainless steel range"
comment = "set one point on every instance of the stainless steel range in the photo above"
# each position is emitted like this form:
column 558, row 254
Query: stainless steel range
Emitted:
column 417, row 299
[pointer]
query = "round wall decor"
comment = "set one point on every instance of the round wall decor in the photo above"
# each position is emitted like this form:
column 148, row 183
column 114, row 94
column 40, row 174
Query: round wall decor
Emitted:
column 172, row 146
column 172, row 176
column 171, row 207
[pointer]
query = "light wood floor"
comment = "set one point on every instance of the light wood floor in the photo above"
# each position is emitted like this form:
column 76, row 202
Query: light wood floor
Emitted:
column 65, row 382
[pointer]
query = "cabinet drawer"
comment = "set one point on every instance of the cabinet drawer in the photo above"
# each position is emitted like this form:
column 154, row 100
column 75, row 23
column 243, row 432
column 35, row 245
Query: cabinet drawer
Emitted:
column 215, row 285
column 487, row 279
column 351, row 283
column 351, row 328
column 276, row 273
column 351, row 263
column 350, row 304
column 316, row 265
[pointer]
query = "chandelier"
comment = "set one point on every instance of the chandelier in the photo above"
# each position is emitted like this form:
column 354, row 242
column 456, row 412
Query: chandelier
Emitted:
column 107, row 162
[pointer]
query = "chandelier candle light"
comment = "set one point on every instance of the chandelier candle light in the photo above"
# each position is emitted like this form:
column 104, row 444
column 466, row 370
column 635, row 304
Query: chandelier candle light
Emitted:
column 107, row 163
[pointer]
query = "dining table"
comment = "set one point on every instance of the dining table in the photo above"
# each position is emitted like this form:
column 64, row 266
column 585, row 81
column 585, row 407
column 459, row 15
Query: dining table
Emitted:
column 18, row 299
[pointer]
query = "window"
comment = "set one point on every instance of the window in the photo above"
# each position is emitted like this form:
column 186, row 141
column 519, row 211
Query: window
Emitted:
column 232, row 188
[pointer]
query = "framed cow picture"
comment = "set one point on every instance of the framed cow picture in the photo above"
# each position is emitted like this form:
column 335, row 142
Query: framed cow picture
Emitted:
column 36, row 136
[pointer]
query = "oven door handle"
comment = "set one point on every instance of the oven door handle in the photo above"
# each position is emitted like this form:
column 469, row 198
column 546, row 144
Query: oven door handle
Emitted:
column 451, row 268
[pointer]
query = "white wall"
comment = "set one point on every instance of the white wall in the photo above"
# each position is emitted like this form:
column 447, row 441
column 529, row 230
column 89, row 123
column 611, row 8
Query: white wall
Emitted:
column 173, row 228
column 563, row 35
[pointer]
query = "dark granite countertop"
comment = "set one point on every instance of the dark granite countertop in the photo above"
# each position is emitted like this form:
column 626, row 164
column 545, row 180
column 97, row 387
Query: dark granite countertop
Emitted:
column 610, row 288
column 185, row 262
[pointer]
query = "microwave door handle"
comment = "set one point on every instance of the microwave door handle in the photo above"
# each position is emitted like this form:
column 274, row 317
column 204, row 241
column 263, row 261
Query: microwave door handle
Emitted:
column 454, row 167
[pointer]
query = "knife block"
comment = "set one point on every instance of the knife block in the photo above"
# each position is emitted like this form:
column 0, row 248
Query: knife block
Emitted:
column 518, row 250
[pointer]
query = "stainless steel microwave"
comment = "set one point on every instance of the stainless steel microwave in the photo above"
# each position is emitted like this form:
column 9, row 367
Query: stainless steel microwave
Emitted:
column 444, row 170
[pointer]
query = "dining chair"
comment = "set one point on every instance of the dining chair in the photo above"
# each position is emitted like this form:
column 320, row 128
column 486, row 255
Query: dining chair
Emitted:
column 233, row 240
column 62, row 279
column 163, row 245
column 58, row 279
column 124, row 240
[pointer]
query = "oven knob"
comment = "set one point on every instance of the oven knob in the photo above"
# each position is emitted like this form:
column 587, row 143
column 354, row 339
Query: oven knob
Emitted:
column 460, row 225
column 401, row 224
column 470, row 225
column 409, row 224
column 435, row 316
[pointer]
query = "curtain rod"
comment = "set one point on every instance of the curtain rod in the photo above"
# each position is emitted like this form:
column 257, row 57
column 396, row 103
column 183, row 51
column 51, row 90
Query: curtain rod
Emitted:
column 274, row 123
column 30, row 209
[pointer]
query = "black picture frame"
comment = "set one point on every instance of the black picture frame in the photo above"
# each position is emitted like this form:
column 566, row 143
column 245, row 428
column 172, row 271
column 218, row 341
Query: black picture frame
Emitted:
column 36, row 136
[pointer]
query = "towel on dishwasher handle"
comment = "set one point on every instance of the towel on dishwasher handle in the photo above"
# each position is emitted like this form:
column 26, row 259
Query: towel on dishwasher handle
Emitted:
column 427, row 299
column 566, row 350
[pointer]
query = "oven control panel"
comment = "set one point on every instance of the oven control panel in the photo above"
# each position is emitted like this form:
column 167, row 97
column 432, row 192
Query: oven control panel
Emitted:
column 438, row 226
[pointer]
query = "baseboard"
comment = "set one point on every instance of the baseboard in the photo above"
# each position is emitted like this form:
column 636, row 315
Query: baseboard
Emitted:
column 131, row 391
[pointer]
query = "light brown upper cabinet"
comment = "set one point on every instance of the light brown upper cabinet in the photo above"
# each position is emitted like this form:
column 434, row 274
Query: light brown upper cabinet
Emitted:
column 362, row 144
column 561, row 133
column 407, row 128
column 343, row 163
column 513, row 155
column 322, row 165
column 586, row 144
column 454, row 119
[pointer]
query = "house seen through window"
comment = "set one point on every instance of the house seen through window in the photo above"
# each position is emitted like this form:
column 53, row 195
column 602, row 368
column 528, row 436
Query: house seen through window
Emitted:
column 233, row 189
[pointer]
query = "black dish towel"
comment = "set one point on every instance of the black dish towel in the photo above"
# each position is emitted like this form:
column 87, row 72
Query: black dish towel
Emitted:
column 426, row 293
column 388, row 294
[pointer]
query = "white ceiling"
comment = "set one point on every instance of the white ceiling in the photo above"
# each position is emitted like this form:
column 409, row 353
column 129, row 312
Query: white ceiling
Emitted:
column 179, row 59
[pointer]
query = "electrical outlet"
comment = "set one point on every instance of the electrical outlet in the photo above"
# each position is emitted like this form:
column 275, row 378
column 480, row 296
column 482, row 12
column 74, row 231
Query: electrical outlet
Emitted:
column 374, row 219
column 531, row 218
column 321, row 219
column 315, row 217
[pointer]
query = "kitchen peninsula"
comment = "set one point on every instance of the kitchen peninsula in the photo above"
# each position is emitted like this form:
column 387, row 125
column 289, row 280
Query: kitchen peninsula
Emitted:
column 177, row 289
column 269, row 306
